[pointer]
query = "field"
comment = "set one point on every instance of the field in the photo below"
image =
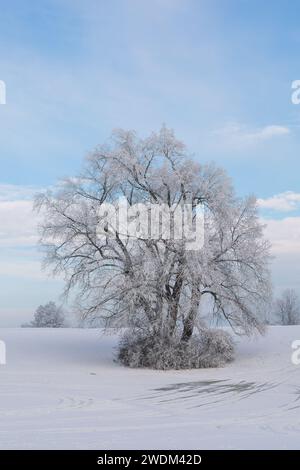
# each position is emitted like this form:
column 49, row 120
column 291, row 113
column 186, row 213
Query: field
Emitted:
column 61, row 389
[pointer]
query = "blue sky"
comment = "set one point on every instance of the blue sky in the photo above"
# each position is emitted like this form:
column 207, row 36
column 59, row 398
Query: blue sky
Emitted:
column 218, row 72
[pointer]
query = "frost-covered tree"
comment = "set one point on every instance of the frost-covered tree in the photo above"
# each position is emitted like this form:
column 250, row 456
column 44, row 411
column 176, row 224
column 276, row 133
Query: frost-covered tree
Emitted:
column 287, row 308
column 151, row 283
column 48, row 316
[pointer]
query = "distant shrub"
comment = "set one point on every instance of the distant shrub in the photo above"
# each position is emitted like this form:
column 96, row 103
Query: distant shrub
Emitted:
column 47, row 316
column 211, row 348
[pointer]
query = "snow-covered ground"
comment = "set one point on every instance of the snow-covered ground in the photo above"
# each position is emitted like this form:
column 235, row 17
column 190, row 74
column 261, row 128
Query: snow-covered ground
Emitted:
column 61, row 389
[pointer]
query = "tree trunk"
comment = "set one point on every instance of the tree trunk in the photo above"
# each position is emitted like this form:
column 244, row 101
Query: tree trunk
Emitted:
column 174, row 305
column 189, row 322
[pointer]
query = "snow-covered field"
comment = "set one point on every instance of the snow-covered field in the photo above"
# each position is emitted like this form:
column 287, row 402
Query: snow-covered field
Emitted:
column 61, row 389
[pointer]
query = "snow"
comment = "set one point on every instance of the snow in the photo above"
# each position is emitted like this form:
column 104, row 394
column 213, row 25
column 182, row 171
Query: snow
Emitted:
column 61, row 389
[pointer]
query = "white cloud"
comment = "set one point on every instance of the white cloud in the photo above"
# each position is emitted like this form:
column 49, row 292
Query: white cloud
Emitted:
column 284, row 202
column 18, row 222
column 12, row 192
column 23, row 283
column 268, row 132
column 23, row 268
column 284, row 234
column 236, row 135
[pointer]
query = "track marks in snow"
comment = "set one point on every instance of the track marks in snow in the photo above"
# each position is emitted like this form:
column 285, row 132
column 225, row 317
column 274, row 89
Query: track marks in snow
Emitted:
column 207, row 392
column 73, row 402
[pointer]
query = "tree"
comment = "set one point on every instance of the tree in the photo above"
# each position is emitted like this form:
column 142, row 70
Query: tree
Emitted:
column 48, row 316
column 287, row 308
column 154, row 283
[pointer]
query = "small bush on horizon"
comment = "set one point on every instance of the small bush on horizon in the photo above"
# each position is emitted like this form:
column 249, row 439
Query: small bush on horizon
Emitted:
column 47, row 316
